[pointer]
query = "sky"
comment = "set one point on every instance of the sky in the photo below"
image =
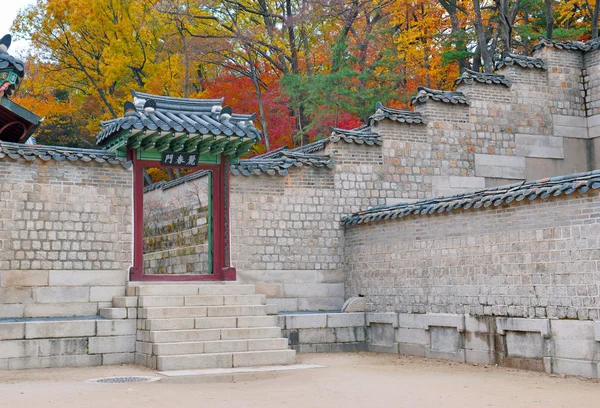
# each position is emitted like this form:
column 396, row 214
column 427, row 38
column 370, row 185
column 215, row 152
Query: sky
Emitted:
column 10, row 8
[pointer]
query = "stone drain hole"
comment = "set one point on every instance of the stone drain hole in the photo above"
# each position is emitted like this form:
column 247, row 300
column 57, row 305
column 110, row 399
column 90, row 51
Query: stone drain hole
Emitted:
column 122, row 380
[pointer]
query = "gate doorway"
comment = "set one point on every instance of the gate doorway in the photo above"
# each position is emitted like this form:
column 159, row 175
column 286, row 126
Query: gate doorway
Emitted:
column 178, row 222
column 175, row 239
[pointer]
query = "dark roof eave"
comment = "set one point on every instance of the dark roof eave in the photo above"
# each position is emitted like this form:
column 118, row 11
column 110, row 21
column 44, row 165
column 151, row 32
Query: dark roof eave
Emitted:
column 20, row 111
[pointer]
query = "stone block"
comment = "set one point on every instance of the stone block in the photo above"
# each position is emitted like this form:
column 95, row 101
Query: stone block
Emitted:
column 60, row 328
column 302, row 276
column 480, row 341
column 332, row 276
column 313, row 336
column 320, row 304
column 11, row 310
column 107, row 293
column 12, row 331
column 215, row 322
column 311, row 290
column 88, row 277
column 115, row 327
column 580, row 368
column 480, row 324
column 125, row 301
column 62, row 347
column 271, row 290
column 204, row 300
column 250, row 333
column 313, row 320
column 548, row 147
column 445, row 339
column 161, row 301
column 571, row 121
column 16, row 294
column 19, row 348
column 132, row 312
column 114, row 313
column 118, row 358
column 576, row 349
column 198, row 361
column 60, row 310
column 62, row 294
column 24, row 278
column 568, row 131
column 524, row 344
column 410, row 349
column 349, row 334
column 256, row 321
column 376, row 348
column 389, row 318
column 55, row 362
column 340, row 347
column 458, row 356
column 112, row 344
column 497, row 166
column 382, row 334
column 445, row 320
column 262, row 358
column 480, row 357
column 573, row 329
column 284, row 304
column 345, row 319
column 527, row 325
column 414, row 336
column 412, row 321
column 244, row 300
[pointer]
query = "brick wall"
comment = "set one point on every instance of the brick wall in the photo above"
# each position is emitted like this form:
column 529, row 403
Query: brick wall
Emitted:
column 65, row 237
column 531, row 259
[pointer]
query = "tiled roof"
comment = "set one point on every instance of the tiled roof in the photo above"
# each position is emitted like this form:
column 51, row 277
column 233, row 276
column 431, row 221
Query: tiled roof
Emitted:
column 568, row 45
column 521, row 60
column 280, row 164
column 361, row 135
column 402, row 116
column 165, row 185
column 17, row 151
column 179, row 124
column 424, row 94
column 469, row 77
column 496, row 196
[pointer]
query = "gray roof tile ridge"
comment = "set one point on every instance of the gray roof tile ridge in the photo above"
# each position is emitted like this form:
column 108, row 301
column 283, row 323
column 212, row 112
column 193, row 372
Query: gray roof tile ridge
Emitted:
column 424, row 94
column 58, row 153
column 569, row 45
column 493, row 196
column 523, row 61
column 398, row 115
column 469, row 77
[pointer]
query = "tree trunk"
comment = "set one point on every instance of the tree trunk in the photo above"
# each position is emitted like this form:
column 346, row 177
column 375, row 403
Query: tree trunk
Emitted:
column 450, row 7
column 261, row 108
column 549, row 18
column 595, row 19
column 488, row 64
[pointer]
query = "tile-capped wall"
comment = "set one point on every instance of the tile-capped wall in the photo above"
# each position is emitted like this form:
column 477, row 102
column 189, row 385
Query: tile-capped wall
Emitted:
column 65, row 237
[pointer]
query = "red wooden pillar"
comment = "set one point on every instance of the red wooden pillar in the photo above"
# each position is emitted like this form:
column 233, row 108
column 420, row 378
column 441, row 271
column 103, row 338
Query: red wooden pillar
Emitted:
column 137, row 270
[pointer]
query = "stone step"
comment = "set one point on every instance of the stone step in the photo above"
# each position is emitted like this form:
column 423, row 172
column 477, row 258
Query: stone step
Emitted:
column 201, row 311
column 216, row 300
column 225, row 360
column 220, row 346
column 191, row 289
column 176, row 336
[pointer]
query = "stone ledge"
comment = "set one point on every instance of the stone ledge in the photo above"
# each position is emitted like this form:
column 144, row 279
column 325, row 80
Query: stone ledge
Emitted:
column 389, row 318
column 504, row 324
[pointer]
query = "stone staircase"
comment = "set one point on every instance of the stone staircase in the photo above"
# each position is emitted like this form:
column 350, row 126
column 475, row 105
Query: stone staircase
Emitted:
column 196, row 326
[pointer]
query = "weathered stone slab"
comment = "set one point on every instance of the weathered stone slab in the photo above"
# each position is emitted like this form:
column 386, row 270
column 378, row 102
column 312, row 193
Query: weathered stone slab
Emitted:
column 62, row 294
column 63, row 347
column 308, row 321
column 497, row 166
column 527, row 325
column 12, row 331
column 87, row 278
column 115, row 327
column 112, row 344
column 548, row 147
column 52, row 329
column 24, row 278
column 345, row 319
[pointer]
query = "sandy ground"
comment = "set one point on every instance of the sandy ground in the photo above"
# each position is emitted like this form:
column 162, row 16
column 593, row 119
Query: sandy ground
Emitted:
column 349, row 380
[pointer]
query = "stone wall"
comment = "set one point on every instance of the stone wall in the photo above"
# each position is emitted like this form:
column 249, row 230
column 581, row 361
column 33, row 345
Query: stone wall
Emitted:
column 65, row 236
column 516, row 285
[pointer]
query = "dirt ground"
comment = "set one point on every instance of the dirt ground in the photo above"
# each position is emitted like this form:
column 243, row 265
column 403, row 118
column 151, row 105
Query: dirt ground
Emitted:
column 348, row 380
